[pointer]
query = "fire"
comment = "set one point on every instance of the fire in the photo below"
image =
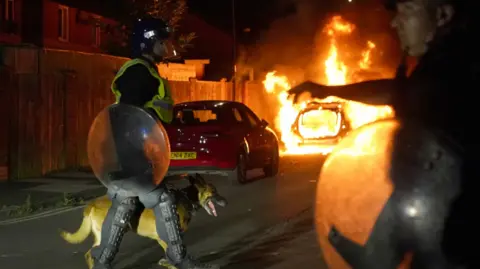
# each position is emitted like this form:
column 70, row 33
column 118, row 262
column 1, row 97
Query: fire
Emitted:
column 323, row 122
column 335, row 70
column 366, row 61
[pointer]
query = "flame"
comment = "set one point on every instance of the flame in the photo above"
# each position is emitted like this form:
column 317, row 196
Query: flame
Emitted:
column 324, row 123
column 335, row 70
column 366, row 61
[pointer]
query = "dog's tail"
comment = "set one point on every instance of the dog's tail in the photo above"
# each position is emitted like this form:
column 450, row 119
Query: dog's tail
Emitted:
column 82, row 233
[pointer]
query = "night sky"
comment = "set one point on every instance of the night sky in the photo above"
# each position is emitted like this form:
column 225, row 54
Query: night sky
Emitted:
column 254, row 15
column 258, row 15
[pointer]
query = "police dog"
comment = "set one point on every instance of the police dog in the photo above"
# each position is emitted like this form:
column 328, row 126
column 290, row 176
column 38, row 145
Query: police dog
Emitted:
column 199, row 194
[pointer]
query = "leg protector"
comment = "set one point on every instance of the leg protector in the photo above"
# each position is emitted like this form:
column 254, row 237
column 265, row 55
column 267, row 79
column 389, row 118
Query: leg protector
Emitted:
column 162, row 201
column 114, row 227
column 168, row 226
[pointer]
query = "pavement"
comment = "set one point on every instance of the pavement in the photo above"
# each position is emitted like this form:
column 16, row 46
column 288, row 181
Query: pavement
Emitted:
column 289, row 246
column 39, row 195
column 266, row 222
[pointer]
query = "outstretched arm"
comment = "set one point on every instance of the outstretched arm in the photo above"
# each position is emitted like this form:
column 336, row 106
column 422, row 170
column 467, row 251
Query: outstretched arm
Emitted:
column 374, row 92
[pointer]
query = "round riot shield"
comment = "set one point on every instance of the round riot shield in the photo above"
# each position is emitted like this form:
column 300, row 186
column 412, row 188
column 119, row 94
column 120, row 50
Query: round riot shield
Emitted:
column 128, row 149
column 383, row 187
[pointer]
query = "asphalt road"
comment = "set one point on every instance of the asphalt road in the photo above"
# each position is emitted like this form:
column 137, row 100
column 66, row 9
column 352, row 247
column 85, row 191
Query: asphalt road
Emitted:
column 252, row 208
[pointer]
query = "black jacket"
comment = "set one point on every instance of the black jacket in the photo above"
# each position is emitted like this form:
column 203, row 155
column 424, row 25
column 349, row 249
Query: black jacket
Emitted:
column 441, row 91
column 137, row 86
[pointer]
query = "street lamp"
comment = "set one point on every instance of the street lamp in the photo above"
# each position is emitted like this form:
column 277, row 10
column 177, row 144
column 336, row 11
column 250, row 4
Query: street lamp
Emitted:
column 234, row 36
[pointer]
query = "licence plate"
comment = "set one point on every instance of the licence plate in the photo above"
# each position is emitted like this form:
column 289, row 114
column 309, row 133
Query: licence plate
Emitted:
column 183, row 155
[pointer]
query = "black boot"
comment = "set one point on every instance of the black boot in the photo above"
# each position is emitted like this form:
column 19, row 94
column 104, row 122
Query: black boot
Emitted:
column 114, row 227
column 168, row 229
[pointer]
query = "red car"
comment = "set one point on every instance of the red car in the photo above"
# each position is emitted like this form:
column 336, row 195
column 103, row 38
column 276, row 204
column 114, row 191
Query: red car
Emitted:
column 221, row 137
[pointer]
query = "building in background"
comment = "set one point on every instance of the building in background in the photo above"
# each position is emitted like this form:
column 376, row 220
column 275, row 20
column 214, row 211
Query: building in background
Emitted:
column 211, row 43
column 87, row 26
column 10, row 18
column 64, row 24
column 55, row 24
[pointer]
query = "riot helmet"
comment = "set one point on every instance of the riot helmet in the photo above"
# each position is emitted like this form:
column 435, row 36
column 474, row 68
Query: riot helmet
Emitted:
column 153, row 37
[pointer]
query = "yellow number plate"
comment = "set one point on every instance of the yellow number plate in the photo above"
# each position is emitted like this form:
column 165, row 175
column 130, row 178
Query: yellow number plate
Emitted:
column 183, row 155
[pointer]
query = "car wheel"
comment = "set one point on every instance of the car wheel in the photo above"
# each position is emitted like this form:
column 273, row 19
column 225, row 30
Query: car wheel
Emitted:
column 239, row 175
column 271, row 169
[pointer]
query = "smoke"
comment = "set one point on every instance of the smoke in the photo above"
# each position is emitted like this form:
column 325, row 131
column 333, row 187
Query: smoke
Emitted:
column 292, row 44
column 289, row 40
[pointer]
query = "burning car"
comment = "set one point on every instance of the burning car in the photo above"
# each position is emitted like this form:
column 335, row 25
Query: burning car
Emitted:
column 307, row 121
column 321, row 123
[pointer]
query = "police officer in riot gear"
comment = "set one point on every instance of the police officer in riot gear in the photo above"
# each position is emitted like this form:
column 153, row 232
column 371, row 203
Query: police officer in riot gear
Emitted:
column 424, row 215
column 139, row 84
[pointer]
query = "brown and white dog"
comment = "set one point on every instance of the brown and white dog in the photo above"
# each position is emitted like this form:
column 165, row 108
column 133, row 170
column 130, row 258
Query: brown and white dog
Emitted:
column 189, row 200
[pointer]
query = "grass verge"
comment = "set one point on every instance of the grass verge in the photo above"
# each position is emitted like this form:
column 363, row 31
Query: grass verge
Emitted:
column 30, row 207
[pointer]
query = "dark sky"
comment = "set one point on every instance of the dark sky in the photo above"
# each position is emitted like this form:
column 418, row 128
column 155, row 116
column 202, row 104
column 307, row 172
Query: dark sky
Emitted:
column 257, row 15
column 253, row 14
column 248, row 13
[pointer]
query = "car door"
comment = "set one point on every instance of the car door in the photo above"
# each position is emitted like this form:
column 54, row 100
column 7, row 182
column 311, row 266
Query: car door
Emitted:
column 255, row 136
column 242, row 127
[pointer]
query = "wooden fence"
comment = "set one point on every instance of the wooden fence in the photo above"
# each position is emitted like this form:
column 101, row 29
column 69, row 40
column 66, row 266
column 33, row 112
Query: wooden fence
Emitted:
column 49, row 116
column 263, row 104
column 4, row 123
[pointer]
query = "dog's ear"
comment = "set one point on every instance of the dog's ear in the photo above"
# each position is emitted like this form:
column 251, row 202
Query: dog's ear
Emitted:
column 192, row 180
column 200, row 180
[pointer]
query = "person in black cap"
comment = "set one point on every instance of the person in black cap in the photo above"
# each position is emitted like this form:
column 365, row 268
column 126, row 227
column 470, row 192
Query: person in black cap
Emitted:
column 139, row 84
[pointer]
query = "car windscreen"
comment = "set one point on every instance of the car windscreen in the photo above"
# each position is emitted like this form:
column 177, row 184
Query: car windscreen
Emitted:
column 198, row 116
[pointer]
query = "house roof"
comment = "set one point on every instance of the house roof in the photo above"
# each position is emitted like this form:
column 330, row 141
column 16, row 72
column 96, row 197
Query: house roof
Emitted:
column 209, row 38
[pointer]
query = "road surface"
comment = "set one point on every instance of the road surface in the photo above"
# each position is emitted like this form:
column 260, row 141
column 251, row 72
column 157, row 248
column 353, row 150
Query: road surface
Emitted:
column 254, row 207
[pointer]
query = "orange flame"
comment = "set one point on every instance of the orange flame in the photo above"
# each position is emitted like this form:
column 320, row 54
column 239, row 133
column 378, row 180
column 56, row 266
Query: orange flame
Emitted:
column 335, row 70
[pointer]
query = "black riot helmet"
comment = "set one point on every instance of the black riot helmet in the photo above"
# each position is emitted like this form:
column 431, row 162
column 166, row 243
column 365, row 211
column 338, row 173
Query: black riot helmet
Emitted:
column 146, row 33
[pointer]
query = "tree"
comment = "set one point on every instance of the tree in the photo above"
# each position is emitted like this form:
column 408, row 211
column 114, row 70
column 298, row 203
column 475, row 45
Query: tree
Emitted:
column 171, row 11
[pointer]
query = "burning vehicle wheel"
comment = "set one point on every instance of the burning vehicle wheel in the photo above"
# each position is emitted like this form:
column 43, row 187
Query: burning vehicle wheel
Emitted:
column 239, row 175
column 271, row 169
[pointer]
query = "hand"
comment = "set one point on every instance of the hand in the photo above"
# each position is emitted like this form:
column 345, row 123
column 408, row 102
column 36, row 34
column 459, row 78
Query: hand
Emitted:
column 316, row 90
column 209, row 206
